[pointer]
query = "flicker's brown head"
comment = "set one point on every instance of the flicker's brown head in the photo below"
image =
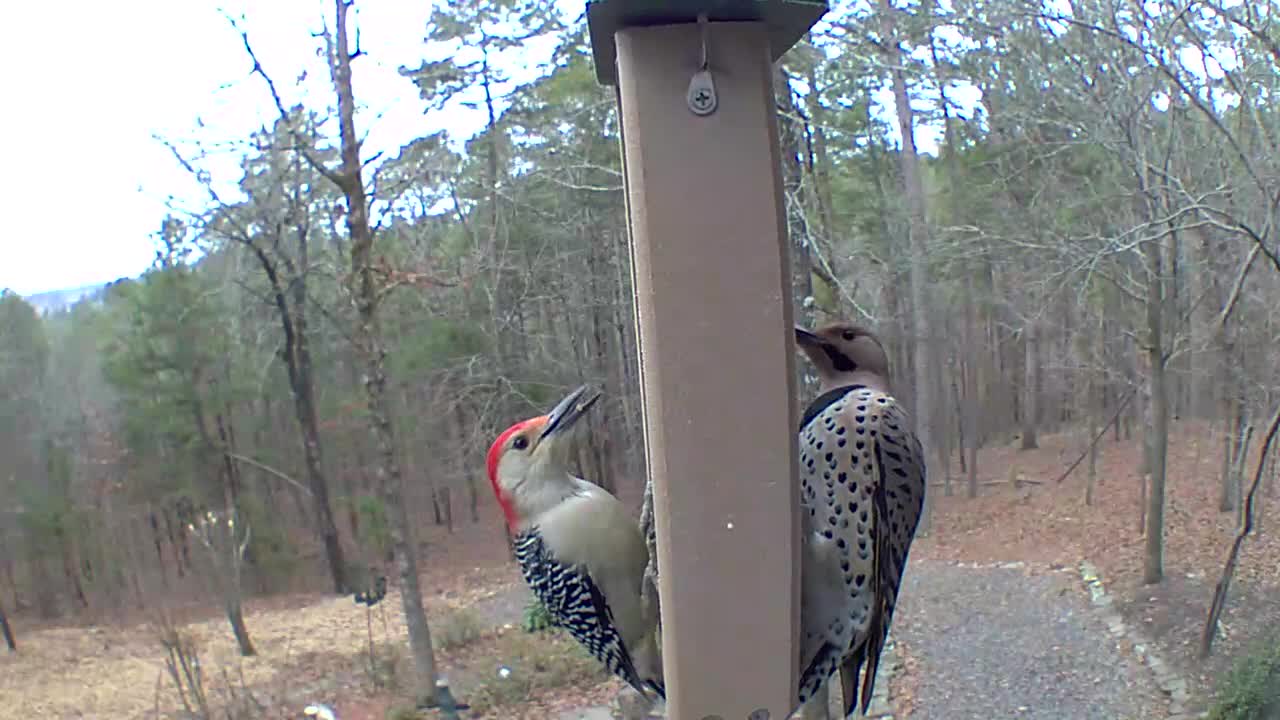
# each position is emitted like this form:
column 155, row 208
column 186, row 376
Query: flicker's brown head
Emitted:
column 840, row 351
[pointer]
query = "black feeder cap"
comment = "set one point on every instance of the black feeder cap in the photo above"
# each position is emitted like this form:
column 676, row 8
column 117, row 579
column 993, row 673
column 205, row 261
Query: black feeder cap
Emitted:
column 787, row 21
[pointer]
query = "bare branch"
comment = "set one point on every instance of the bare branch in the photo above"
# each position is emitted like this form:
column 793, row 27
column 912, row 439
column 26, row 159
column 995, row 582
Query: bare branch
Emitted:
column 299, row 145
column 270, row 470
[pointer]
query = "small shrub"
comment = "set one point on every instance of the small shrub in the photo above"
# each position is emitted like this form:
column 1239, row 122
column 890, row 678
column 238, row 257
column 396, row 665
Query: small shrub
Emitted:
column 458, row 629
column 382, row 667
column 1251, row 690
column 402, row 712
column 182, row 662
column 375, row 532
column 534, row 663
column 271, row 558
column 536, row 617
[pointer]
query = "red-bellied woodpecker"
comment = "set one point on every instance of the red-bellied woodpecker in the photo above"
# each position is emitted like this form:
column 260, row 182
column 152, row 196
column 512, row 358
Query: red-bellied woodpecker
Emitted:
column 862, row 478
column 579, row 550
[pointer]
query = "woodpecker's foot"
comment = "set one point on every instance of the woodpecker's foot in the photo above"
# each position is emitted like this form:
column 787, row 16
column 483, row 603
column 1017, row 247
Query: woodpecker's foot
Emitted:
column 629, row 704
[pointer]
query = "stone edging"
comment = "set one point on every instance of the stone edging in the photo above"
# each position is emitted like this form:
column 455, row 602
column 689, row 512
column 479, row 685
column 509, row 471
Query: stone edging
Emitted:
column 1170, row 682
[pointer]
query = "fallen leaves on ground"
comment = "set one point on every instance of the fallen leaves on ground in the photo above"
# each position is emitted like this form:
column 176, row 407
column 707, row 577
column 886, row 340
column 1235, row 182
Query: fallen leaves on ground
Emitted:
column 315, row 648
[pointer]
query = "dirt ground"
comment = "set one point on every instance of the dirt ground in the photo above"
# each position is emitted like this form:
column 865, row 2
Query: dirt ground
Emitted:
column 315, row 648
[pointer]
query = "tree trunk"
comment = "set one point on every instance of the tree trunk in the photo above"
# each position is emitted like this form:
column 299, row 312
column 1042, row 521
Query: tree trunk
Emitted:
column 1203, row 282
column 358, row 481
column 7, row 631
column 1232, row 414
column 918, row 233
column 1233, row 424
column 1158, row 431
column 1237, row 470
column 235, row 614
column 316, row 480
column 70, row 571
column 158, row 541
column 792, row 145
column 1092, row 407
column 1031, row 388
column 446, row 499
column 368, row 340
column 46, row 598
column 436, row 511
column 473, row 492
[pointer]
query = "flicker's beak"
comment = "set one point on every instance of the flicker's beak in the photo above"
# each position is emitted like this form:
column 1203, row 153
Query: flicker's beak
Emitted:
column 568, row 411
column 806, row 339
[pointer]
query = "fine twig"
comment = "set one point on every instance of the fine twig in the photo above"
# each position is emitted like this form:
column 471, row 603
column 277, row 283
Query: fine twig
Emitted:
column 1133, row 392
column 270, row 470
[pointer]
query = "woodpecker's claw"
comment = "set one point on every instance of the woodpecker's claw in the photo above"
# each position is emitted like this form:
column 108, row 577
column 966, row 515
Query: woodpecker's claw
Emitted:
column 569, row 410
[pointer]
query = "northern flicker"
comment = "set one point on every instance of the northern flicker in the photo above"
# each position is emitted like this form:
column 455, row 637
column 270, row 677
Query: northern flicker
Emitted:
column 862, row 475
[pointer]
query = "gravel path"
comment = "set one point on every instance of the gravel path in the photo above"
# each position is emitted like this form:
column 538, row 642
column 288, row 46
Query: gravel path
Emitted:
column 995, row 642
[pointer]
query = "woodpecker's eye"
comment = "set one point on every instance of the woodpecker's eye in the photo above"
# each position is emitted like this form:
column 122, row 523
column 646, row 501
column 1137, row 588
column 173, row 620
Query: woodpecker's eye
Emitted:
column 849, row 335
column 521, row 442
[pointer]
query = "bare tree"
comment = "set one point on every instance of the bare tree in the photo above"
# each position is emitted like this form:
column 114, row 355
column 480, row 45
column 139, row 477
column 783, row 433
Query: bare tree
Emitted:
column 918, row 232
column 277, row 212
column 367, row 291
column 225, row 541
column 368, row 286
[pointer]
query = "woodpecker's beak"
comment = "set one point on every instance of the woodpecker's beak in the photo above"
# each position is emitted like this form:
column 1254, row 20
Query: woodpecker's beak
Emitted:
column 568, row 411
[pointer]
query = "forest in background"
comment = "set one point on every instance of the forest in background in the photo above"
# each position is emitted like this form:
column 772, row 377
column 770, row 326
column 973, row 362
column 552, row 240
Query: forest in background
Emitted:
column 1093, row 245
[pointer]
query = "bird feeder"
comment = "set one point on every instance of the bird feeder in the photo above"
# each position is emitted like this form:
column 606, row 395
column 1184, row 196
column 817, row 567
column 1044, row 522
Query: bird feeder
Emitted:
column 712, row 282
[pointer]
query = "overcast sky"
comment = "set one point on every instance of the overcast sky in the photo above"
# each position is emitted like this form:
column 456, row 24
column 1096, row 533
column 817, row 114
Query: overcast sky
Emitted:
column 85, row 183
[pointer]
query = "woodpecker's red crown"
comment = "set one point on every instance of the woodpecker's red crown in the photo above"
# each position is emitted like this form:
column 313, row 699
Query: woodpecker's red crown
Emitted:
column 526, row 439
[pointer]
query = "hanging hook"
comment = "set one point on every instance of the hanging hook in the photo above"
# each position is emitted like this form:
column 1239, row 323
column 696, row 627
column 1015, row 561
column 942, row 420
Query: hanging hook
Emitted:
column 704, row 34
column 702, row 88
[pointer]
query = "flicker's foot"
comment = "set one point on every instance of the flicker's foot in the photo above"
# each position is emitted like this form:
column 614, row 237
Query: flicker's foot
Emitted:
column 817, row 707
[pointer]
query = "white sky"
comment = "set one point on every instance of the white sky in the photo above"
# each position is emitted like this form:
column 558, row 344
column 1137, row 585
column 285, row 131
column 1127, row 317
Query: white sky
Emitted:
column 85, row 183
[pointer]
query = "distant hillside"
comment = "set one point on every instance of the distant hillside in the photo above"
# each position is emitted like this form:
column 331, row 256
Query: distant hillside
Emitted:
column 55, row 300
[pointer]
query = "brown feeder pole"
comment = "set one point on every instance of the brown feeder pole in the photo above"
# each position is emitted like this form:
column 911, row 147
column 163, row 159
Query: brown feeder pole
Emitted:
column 712, row 286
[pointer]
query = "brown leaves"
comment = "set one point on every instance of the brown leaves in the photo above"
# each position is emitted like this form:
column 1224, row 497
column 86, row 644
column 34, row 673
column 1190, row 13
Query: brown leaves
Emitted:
column 1053, row 526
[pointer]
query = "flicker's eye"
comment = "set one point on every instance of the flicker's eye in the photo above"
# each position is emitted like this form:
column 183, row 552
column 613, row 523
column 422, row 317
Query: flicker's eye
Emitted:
column 521, row 442
column 849, row 335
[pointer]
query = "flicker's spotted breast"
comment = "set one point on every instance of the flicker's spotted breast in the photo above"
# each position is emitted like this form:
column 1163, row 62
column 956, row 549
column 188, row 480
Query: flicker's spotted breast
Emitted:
column 862, row 479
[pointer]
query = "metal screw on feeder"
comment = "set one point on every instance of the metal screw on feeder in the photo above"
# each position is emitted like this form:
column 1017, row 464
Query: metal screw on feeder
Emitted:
column 702, row 87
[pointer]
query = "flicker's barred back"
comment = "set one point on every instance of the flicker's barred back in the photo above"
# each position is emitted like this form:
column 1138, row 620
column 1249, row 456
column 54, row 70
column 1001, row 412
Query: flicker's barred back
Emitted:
column 575, row 603
column 862, row 485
